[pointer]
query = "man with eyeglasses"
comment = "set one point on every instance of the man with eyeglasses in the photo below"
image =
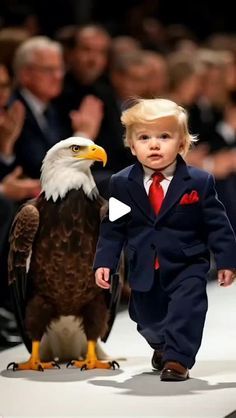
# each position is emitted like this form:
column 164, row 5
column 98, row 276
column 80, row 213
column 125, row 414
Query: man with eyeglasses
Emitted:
column 39, row 72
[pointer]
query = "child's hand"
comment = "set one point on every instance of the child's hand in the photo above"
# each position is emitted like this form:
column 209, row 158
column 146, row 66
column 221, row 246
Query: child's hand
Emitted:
column 226, row 277
column 102, row 277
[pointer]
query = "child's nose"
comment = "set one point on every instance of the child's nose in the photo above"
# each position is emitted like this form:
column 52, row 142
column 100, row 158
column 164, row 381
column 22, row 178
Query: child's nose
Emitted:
column 154, row 142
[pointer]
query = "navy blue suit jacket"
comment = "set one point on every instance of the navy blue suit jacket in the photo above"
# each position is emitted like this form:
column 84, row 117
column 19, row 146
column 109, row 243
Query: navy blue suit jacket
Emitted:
column 180, row 235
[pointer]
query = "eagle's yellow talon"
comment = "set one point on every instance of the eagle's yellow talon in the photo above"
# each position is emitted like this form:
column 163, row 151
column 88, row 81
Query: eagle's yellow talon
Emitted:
column 32, row 365
column 89, row 365
column 91, row 361
column 34, row 362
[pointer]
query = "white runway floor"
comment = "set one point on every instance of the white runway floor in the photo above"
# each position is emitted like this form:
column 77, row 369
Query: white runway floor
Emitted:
column 134, row 390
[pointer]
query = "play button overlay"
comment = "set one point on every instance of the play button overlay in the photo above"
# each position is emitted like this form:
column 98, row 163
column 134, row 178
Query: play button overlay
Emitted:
column 117, row 209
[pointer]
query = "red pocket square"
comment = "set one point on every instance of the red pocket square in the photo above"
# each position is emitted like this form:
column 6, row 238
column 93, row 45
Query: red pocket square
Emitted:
column 189, row 198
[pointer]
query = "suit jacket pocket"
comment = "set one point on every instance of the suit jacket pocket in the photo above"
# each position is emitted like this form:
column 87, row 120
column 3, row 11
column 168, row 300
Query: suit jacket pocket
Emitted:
column 191, row 207
column 195, row 249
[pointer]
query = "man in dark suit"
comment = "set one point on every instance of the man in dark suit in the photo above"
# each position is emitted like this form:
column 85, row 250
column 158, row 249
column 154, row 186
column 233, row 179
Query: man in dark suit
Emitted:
column 175, row 219
column 39, row 71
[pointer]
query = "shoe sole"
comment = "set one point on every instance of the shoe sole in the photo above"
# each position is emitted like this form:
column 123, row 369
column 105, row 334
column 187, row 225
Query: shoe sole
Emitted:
column 170, row 378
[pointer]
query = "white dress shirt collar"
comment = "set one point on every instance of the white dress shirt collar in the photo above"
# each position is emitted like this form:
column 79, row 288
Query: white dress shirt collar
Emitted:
column 35, row 104
column 168, row 174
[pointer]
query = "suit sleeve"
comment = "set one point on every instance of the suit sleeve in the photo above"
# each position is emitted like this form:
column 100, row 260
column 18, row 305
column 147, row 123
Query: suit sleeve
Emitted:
column 221, row 238
column 112, row 238
column 6, row 168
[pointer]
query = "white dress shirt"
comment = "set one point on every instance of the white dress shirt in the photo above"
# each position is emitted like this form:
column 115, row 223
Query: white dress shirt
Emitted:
column 37, row 107
column 168, row 173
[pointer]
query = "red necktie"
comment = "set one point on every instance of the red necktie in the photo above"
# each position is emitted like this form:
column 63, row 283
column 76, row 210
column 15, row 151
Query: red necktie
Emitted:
column 156, row 196
column 156, row 193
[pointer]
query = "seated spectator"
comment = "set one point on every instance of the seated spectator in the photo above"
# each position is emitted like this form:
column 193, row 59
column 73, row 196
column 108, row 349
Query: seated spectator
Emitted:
column 87, row 52
column 39, row 70
column 89, row 58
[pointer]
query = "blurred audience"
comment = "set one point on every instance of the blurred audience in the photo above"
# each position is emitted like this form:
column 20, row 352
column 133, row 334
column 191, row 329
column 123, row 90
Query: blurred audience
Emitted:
column 222, row 157
column 157, row 80
column 10, row 39
column 22, row 16
column 14, row 189
column 214, row 90
column 66, row 37
column 184, row 79
column 124, row 44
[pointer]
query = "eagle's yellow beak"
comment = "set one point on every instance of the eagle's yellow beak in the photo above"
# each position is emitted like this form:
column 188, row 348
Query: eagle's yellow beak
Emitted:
column 93, row 152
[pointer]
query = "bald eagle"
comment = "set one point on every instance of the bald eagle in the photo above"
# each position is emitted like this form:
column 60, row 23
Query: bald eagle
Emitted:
column 52, row 245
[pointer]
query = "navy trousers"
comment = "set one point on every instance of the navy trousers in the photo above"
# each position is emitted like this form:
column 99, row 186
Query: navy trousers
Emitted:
column 172, row 321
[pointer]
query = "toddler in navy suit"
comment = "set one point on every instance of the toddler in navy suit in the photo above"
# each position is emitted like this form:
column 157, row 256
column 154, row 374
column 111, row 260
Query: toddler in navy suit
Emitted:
column 174, row 222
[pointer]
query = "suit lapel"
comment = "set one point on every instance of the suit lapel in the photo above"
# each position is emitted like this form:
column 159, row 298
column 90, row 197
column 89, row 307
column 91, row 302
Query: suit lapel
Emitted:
column 138, row 193
column 178, row 186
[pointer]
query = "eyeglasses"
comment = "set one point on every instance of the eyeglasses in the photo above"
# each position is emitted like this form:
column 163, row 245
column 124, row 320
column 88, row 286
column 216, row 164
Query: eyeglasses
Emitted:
column 47, row 70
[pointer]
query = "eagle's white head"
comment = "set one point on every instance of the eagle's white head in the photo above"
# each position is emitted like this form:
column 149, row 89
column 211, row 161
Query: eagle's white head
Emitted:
column 66, row 166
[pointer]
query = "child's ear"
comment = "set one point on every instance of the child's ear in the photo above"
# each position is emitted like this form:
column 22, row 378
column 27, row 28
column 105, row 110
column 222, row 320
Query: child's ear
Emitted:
column 132, row 149
column 181, row 147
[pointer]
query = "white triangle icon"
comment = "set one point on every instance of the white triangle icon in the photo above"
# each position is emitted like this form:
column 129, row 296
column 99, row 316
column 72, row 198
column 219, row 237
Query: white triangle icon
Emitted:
column 117, row 209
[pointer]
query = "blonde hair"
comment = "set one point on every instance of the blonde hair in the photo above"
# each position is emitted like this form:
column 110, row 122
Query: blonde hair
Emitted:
column 149, row 110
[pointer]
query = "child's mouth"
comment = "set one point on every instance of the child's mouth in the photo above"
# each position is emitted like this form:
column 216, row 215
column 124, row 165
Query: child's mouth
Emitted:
column 155, row 156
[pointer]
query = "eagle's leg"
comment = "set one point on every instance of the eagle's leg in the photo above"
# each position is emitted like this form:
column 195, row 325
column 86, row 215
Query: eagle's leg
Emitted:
column 39, row 315
column 95, row 318
column 91, row 361
column 34, row 362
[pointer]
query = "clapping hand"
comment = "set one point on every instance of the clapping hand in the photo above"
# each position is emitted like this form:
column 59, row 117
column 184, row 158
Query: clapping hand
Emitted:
column 88, row 118
column 14, row 187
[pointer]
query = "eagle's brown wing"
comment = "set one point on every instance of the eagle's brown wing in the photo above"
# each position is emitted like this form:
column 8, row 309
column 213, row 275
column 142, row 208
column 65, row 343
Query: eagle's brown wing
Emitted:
column 104, row 205
column 21, row 239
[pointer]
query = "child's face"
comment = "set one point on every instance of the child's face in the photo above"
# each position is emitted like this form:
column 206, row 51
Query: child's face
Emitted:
column 157, row 145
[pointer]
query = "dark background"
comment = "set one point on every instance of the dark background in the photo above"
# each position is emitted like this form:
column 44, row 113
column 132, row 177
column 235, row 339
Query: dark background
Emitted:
column 123, row 16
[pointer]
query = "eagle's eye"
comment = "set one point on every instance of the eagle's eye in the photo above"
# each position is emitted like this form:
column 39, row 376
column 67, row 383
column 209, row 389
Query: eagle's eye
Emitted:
column 75, row 148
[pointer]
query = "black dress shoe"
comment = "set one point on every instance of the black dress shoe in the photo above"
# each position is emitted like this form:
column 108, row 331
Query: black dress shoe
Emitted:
column 157, row 360
column 174, row 372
